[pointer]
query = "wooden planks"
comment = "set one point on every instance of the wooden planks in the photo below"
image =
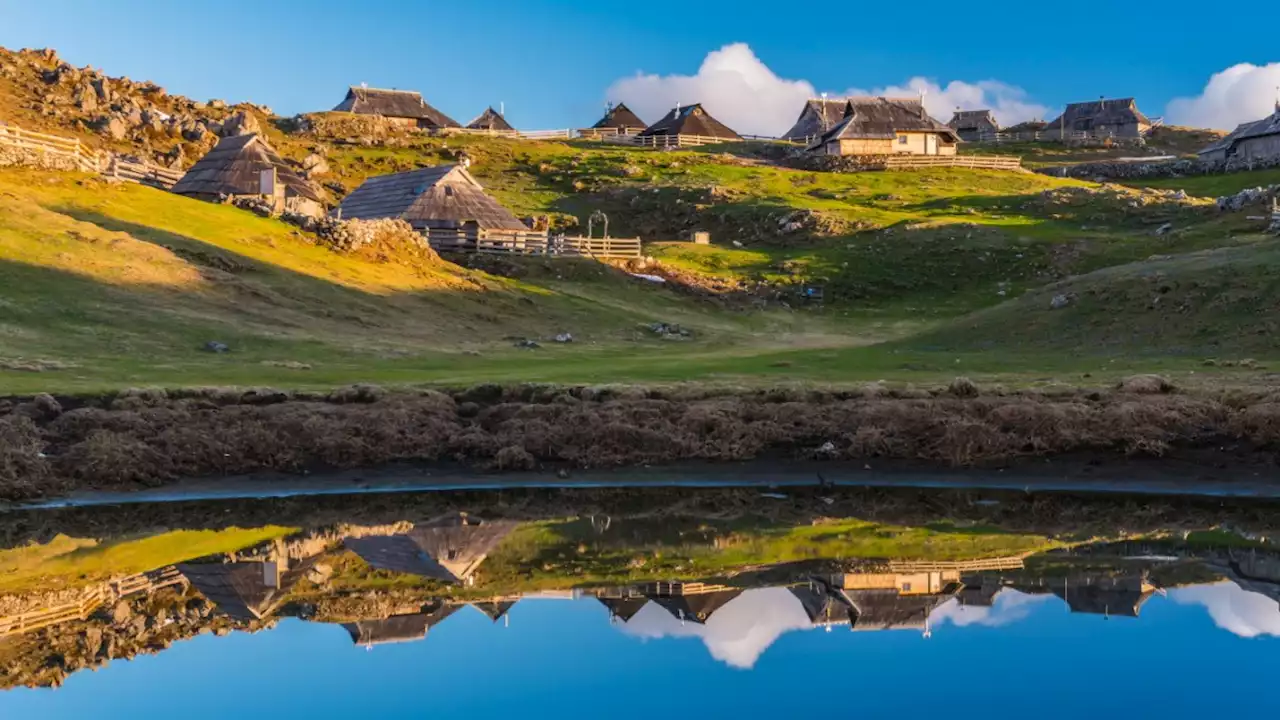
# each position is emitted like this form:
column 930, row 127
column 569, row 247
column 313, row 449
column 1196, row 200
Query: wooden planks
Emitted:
column 532, row 243
column 981, row 162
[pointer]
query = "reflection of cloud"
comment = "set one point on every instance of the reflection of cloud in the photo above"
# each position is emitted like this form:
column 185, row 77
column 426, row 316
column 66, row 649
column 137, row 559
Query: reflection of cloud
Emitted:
column 736, row 634
column 1234, row 609
column 1010, row 606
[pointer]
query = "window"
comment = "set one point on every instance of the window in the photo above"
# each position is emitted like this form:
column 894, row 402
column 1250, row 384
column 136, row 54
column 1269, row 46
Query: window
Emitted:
column 902, row 139
column 906, row 587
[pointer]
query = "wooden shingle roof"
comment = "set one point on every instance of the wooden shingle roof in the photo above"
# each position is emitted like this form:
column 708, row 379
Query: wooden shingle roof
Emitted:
column 624, row 608
column 397, row 628
column 975, row 119
column 490, row 119
column 234, row 167
column 620, row 117
column 445, row 196
column 1265, row 127
column 696, row 608
column 241, row 589
column 881, row 118
column 395, row 104
column 448, row 552
column 690, row 120
column 1085, row 116
column 817, row 117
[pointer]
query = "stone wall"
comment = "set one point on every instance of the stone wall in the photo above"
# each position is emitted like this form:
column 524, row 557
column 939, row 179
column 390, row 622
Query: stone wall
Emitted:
column 13, row 156
column 1159, row 169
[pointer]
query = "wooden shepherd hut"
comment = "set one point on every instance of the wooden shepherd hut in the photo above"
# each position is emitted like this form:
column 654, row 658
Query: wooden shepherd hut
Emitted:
column 690, row 120
column 619, row 119
column 887, row 126
column 1257, row 140
column 450, row 552
column 404, row 107
column 974, row 125
column 244, row 590
column 491, row 120
column 817, row 117
column 445, row 197
column 246, row 166
column 1118, row 119
column 397, row 628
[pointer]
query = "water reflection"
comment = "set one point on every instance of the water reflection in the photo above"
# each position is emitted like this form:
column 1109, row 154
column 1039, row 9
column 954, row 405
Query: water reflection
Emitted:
column 737, row 583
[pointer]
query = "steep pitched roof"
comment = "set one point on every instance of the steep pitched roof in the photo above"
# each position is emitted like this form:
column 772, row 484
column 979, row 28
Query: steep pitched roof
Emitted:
column 888, row 610
column 690, row 120
column 696, row 608
column 397, row 628
column 620, row 116
column 1265, row 127
column 817, row 117
column 1088, row 115
column 449, row 552
column 624, row 608
column 234, row 167
column 490, row 119
column 495, row 609
column 241, row 589
column 881, row 118
column 445, row 196
column 966, row 119
column 393, row 103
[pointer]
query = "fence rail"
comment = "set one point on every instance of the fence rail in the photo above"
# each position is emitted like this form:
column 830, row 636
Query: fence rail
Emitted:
column 70, row 148
column 564, row 134
column 143, row 173
column 984, row 162
column 532, row 243
column 90, row 600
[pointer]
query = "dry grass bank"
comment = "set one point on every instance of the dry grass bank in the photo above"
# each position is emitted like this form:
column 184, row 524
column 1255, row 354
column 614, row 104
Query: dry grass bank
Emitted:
column 150, row 437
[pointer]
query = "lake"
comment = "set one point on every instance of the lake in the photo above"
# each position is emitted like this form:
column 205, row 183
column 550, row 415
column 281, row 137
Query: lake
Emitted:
column 720, row 603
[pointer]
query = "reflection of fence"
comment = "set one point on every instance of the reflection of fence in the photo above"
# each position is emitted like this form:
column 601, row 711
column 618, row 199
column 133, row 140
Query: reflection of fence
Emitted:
column 984, row 162
column 41, row 143
column 1000, row 563
column 1076, row 136
column 89, row 601
column 514, row 242
column 518, row 134
column 152, row 175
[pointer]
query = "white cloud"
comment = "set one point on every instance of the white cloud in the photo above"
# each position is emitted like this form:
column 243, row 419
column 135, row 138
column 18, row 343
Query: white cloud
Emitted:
column 738, row 633
column 1009, row 104
column 1010, row 606
column 1240, row 93
column 1234, row 609
column 742, row 92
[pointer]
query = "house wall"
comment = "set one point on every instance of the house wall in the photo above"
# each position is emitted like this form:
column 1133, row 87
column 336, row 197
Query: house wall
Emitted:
column 919, row 583
column 1258, row 148
column 918, row 144
column 860, row 147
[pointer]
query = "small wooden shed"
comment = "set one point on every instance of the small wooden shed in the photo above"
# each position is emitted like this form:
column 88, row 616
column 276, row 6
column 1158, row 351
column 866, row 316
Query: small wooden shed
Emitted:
column 974, row 125
column 445, row 197
column 404, row 107
column 621, row 120
column 1119, row 118
column 1257, row 140
column 246, row 166
column 817, row 117
column 397, row 628
column 450, row 552
column 887, row 126
column 690, row 120
column 492, row 120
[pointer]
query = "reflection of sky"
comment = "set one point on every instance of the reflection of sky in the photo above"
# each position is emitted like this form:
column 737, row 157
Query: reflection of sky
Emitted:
column 561, row 658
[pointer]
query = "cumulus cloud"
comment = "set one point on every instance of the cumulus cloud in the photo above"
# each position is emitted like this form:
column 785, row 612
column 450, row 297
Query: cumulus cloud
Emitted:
column 1232, row 608
column 1009, row 104
column 738, row 633
column 1010, row 606
column 1241, row 93
column 740, row 90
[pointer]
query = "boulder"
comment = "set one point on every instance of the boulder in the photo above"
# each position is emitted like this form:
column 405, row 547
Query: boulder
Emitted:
column 315, row 164
column 112, row 126
column 241, row 123
column 1059, row 301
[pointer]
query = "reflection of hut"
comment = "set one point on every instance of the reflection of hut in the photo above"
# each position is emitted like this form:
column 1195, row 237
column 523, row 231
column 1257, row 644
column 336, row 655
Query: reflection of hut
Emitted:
column 623, row 608
column 494, row 609
column 246, row 166
column 981, row 594
column 817, row 117
column 886, row 126
column 973, row 125
column 490, row 119
column 442, row 197
column 889, row 610
column 1123, row 596
column 244, row 590
column 403, row 107
column 619, row 119
column 824, row 608
column 690, row 120
column 693, row 602
column 450, row 552
column 397, row 628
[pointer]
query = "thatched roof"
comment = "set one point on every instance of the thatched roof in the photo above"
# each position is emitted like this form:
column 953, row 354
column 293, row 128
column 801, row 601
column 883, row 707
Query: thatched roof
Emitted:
column 394, row 104
column 690, row 120
column 234, row 167
column 620, row 117
column 696, row 608
column 971, row 120
column 490, row 119
column 397, row 628
column 446, row 196
column 1086, row 116
column 884, row 118
column 448, row 552
column 1265, row 127
column 241, row 589
column 817, row 117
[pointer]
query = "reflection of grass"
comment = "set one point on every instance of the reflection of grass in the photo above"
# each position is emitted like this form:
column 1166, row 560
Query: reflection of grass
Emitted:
column 1224, row 539
column 67, row 562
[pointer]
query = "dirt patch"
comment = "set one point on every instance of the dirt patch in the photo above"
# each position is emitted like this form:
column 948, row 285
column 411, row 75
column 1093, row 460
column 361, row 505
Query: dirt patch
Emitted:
column 145, row 438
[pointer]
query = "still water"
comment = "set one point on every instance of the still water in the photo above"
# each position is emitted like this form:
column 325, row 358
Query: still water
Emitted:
column 421, row 610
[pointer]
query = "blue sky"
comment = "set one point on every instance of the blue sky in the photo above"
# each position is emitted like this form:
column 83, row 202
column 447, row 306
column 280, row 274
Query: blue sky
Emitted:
column 553, row 62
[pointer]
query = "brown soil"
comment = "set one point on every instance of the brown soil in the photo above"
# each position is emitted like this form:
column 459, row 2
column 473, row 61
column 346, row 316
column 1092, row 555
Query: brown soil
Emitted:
column 146, row 438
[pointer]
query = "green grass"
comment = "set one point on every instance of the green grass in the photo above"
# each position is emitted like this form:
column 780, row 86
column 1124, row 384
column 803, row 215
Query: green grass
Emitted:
column 67, row 562
column 1214, row 185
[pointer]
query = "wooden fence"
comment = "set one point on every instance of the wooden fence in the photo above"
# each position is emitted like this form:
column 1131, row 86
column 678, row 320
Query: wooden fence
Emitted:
column 90, row 600
column 508, row 242
column 153, row 175
column 565, row 134
column 70, row 148
column 983, row 162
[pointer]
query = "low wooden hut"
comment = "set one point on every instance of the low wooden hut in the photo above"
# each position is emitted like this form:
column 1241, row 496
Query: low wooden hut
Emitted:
column 620, row 120
column 244, row 590
column 623, row 608
column 397, row 628
column 696, row 607
column 494, row 609
column 690, row 120
column 404, row 107
column 1119, row 118
column 887, row 126
column 450, row 552
column 974, row 125
column 246, row 166
column 1257, row 140
column 434, row 198
column 817, row 117
column 1027, row 130
column 491, row 120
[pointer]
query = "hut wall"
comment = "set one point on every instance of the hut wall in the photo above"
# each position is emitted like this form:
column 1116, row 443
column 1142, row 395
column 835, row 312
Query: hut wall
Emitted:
column 1259, row 148
column 863, row 146
column 918, row 143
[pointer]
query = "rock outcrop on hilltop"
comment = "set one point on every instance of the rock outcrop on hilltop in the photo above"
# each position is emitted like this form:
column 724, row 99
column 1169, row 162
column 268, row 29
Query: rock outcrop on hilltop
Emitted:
column 42, row 92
